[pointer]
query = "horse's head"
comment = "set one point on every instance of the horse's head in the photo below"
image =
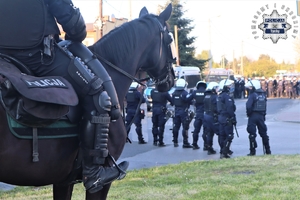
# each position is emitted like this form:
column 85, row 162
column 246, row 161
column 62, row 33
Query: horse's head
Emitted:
column 159, row 56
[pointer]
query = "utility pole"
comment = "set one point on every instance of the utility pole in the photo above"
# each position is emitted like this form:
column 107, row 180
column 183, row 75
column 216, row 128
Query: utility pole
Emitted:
column 130, row 11
column 209, row 52
column 176, row 43
column 100, row 18
column 242, row 59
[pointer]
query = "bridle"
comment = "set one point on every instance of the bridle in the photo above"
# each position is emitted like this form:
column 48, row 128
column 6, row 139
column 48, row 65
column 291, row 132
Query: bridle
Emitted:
column 164, row 77
column 164, row 36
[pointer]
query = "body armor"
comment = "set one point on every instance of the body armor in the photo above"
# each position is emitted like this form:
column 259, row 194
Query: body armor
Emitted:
column 209, row 108
column 157, row 97
column 25, row 31
column 199, row 97
column 260, row 102
column 131, row 95
column 177, row 98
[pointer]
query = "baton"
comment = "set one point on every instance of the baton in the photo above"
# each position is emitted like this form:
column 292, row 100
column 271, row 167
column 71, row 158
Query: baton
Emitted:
column 236, row 131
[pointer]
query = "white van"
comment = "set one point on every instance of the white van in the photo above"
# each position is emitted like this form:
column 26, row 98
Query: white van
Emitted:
column 190, row 74
column 218, row 74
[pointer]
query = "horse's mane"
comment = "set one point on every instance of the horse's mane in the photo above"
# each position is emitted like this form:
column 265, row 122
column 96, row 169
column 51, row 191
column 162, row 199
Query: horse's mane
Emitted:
column 119, row 43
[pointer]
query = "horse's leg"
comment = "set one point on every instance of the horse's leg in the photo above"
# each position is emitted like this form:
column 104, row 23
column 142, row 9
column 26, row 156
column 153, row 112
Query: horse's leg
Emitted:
column 62, row 192
column 101, row 195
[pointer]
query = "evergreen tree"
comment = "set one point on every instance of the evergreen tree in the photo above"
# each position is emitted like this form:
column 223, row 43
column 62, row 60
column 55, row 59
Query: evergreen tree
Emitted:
column 185, row 43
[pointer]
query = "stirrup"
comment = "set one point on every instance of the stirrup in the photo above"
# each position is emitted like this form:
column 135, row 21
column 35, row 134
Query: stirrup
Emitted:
column 122, row 172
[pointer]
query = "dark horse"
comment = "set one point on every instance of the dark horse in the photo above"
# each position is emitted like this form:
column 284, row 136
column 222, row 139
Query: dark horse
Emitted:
column 137, row 45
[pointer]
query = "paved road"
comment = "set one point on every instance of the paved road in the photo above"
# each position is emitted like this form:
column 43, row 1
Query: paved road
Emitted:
column 283, row 121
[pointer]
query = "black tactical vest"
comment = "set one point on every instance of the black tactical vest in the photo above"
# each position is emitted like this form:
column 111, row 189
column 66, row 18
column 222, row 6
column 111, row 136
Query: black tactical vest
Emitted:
column 157, row 97
column 260, row 103
column 209, row 108
column 199, row 96
column 220, row 105
column 24, row 23
column 177, row 98
column 130, row 97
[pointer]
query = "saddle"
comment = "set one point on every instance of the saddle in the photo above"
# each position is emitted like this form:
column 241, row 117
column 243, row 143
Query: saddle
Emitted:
column 34, row 101
column 37, row 107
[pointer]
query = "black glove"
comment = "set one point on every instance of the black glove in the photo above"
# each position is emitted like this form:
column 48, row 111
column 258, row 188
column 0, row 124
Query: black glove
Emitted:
column 264, row 118
column 233, row 121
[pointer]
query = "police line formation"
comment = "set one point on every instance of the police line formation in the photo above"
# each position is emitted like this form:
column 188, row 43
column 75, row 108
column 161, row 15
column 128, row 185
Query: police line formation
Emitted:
column 215, row 111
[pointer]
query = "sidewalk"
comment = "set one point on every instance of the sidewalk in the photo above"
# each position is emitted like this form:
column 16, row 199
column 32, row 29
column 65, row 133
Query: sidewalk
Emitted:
column 292, row 114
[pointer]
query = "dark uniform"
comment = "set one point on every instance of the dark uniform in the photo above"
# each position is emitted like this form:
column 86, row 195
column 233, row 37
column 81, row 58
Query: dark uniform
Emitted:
column 159, row 109
column 182, row 104
column 134, row 98
column 29, row 33
column 198, row 96
column 211, row 123
column 226, row 109
column 256, row 111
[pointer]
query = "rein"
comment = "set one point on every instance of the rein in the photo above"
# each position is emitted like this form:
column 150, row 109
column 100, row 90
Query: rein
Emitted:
column 121, row 70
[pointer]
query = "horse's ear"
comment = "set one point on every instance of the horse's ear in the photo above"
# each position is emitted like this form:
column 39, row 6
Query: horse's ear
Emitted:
column 165, row 15
column 143, row 12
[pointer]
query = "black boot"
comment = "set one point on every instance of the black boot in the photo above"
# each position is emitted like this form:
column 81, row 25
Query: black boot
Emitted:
column 195, row 146
column 252, row 152
column 186, row 144
column 267, row 145
column 210, row 151
column 140, row 135
column 94, row 147
column 205, row 147
column 161, row 137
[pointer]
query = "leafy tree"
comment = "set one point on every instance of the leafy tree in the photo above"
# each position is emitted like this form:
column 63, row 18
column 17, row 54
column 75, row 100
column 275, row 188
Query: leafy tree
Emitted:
column 185, row 42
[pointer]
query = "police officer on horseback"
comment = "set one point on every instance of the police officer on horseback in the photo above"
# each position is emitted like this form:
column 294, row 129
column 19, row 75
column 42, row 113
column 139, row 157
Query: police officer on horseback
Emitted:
column 30, row 34
column 198, row 96
column 159, row 100
column 256, row 107
column 182, row 102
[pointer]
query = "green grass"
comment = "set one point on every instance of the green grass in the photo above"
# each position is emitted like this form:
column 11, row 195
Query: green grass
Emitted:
column 275, row 177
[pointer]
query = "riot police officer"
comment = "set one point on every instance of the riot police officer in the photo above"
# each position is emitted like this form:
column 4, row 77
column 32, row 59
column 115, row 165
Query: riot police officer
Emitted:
column 256, row 107
column 198, row 96
column 182, row 103
column 29, row 33
column 211, row 123
column 159, row 101
column 227, row 119
column 133, row 112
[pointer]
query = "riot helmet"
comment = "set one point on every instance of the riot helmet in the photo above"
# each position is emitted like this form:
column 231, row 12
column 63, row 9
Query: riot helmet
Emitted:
column 133, row 85
column 226, row 85
column 213, row 86
column 181, row 83
column 201, row 84
column 253, row 84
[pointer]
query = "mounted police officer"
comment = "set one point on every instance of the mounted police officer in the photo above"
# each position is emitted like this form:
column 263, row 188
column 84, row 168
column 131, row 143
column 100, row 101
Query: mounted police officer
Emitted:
column 256, row 107
column 198, row 96
column 29, row 33
column 159, row 101
column 211, row 123
column 133, row 112
column 227, row 119
column 182, row 103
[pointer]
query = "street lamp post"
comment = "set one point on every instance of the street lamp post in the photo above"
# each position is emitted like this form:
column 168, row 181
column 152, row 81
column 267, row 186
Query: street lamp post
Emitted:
column 209, row 52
